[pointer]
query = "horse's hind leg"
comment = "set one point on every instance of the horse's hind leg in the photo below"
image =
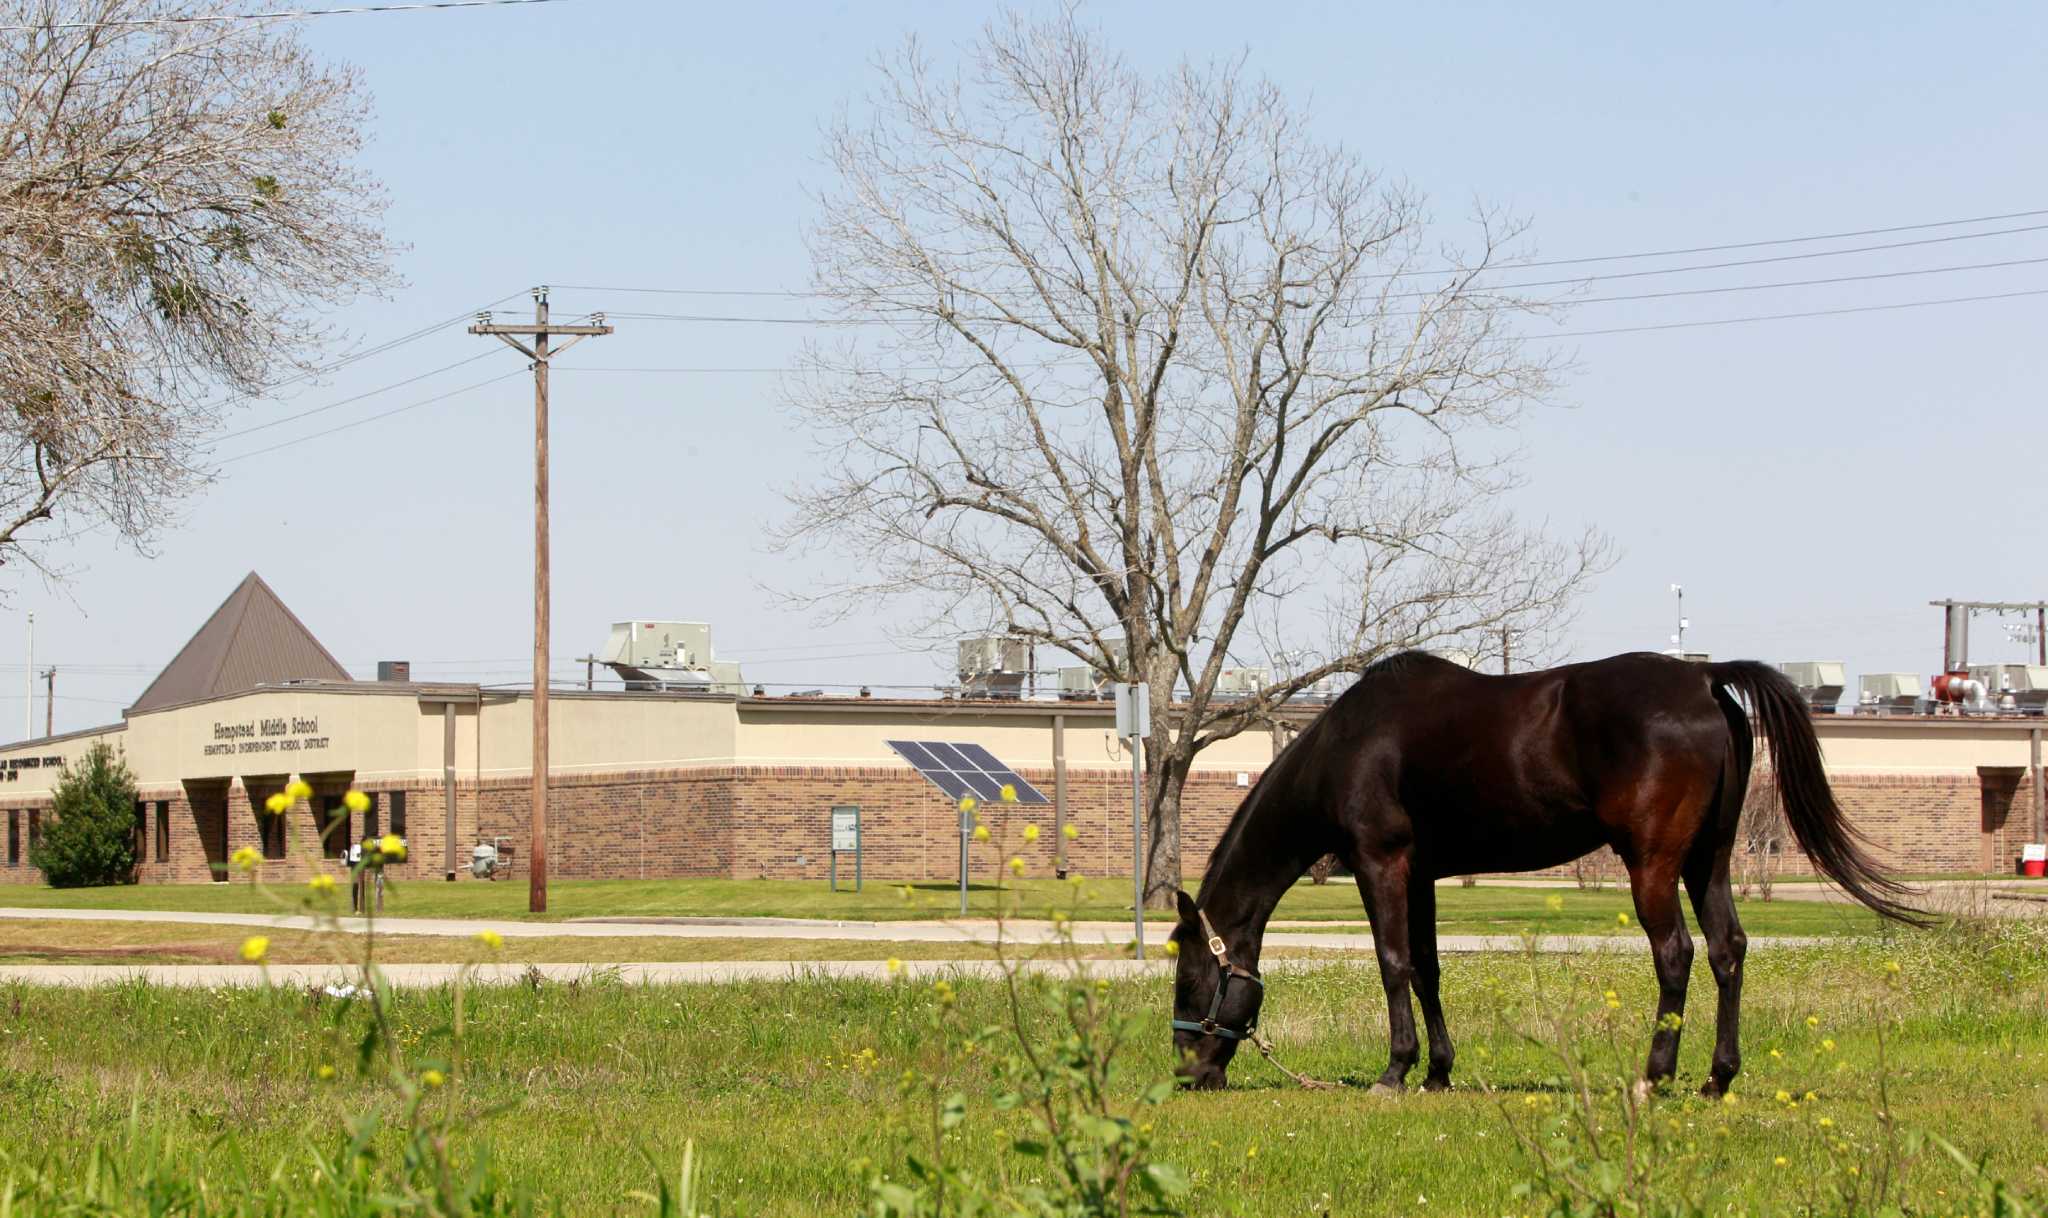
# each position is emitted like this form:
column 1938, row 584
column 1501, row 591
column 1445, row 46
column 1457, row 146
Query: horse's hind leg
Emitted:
column 1654, row 883
column 1383, row 883
column 1422, row 944
column 1713, row 903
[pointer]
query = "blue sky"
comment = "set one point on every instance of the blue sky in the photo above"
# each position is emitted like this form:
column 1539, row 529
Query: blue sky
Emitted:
column 1813, row 483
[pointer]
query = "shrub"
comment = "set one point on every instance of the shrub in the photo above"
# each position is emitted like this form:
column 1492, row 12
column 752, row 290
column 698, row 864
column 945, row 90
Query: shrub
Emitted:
column 91, row 837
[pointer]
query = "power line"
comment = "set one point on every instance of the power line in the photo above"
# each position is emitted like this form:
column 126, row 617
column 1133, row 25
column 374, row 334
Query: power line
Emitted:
column 305, row 414
column 219, row 18
column 1673, row 293
column 1519, row 266
column 439, row 397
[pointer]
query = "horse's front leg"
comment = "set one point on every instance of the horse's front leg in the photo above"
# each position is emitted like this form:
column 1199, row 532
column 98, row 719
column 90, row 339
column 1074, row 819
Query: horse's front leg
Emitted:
column 1383, row 884
column 1422, row 944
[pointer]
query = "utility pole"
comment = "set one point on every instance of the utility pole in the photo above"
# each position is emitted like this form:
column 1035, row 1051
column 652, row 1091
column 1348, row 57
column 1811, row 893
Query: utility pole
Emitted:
column 589, row 673
column 541, row 332
column 50, row 701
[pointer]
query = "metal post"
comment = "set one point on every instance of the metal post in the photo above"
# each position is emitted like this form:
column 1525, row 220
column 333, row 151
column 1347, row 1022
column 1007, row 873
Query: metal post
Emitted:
column 2034, row 768
column 1138, row 845
column 1059, row 796
column 832, row 872
column 50, row 701
column 966, row 832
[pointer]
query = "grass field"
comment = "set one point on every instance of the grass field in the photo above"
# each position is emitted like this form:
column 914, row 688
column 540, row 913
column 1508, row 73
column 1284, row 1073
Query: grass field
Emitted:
column 786, row 1087
column 1486, row 909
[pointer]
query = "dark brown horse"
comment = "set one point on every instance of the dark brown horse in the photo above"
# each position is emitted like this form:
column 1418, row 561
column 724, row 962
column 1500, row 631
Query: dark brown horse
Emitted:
column 1425, row 769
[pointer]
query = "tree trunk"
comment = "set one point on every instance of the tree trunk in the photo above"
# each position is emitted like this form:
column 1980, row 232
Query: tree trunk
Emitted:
column 1165, row 775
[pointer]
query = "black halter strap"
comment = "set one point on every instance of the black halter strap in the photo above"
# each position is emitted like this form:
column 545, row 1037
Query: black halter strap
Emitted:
column 1226, row 972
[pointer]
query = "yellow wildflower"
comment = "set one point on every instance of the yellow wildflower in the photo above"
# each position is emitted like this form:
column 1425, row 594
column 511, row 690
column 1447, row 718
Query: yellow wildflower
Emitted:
column 1778, row 1053
column 392, row 847
column 322, row 883
column 1252, row 1152
column 1784, row 1096
column 1827, row 1046
column 1781, row 1160
column 1016, row 866
column 297, row 789
column 491, row 939
column 1173, row 947
column 894, row 966
column 1813, row 1021
column 432, row 1078
column 1892, row 967
column 356, row 802
column 1069, row 832
column 326, row 1072
column 1613, row 1001
column 1009, row 793
column 1554, row 903
column 907, row 891
column 1621, row 919
column 967, row 803
column 1074, row 878
column 1827, row 1122
column 981, row 833
column 278, row 804
column 1809, row 1097
column 254, row 948
column 1031, row 833
column 246, row 858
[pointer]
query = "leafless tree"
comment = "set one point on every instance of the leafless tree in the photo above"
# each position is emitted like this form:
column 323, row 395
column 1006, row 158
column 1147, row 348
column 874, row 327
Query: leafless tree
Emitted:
column 1763, row 832
column 177, row 200
column 1137, row 369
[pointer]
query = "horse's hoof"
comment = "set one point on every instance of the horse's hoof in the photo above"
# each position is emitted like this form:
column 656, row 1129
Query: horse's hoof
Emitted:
column 1436, row 1083
column 1713, row 1089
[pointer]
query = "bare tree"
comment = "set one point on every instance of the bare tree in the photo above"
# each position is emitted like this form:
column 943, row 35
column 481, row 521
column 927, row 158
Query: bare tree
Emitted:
column 1763, row 832
column 1137, row 369
column 176, row 200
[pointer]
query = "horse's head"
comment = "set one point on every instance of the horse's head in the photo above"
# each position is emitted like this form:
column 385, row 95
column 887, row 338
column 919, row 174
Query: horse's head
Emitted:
column 1215, row 1001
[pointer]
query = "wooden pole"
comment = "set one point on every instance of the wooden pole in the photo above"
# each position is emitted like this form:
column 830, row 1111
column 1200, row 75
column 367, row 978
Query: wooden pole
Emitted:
column 50, row 701
column 541, row 332
column 537, row 849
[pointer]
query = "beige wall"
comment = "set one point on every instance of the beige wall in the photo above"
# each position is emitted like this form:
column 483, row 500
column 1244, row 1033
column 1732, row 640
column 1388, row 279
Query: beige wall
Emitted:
column 1871, row 745
column 391, row 733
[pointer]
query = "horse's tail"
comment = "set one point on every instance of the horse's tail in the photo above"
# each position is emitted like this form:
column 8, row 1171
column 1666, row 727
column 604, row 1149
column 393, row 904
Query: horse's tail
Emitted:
column 1802, row 783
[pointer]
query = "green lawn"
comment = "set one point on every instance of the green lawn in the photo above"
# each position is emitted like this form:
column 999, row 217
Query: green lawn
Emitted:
column 569, row 1084
column 1486, row 909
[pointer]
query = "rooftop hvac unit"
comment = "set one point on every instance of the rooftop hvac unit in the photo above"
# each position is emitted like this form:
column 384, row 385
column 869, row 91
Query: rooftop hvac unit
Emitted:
column 1889, row 692
column 1080, row 683
column 2027, row 683
column 668, row 655
column 1238, row 683
column 1462, row 657
column 1820, row 683
column 994, row 666
column 1323, row 689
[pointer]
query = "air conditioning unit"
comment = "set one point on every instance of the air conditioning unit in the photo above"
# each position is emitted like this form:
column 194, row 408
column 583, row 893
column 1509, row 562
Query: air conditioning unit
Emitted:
column 1820, row 682
column 1238, row 683
column 668, row 655
column 1889, row 693
column 1080, row 683
column 2027, row 683
column 994, row 666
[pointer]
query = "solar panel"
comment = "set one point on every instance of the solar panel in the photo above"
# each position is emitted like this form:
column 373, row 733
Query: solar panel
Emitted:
column 960, row 769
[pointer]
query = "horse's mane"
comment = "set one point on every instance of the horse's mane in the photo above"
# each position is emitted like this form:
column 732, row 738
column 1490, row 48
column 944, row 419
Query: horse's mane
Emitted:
column 1281, row 772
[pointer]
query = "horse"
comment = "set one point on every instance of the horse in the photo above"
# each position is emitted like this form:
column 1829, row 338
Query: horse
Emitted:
column 1425, row 769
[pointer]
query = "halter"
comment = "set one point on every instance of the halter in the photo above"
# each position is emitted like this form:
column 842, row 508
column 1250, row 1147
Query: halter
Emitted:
column 1226, row 972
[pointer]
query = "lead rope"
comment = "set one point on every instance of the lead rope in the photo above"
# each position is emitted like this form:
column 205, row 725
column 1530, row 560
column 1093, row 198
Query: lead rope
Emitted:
column 1265, row 1048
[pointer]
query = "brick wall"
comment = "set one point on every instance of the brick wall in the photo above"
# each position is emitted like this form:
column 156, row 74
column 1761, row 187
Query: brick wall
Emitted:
column 744, row 822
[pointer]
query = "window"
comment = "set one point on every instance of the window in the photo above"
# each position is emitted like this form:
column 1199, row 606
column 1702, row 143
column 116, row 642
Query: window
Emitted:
column 163, row 830
column 141, row 842
column 14, row 837
column 370, row 817
column 334, row 834
column 398, row 813
column 35, row 829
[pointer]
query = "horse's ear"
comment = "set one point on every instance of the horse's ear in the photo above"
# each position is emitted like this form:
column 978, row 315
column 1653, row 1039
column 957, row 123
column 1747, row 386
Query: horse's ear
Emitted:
column 1190, row 916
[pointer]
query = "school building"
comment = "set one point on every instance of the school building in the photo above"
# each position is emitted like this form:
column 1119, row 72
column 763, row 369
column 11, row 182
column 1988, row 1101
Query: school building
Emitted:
column 647, row 784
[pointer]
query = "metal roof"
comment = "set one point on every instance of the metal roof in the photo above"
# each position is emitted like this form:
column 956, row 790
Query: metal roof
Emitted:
column 251, row 640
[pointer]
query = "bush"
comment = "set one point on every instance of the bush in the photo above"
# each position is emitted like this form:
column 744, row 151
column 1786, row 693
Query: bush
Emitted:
column 91, row 837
